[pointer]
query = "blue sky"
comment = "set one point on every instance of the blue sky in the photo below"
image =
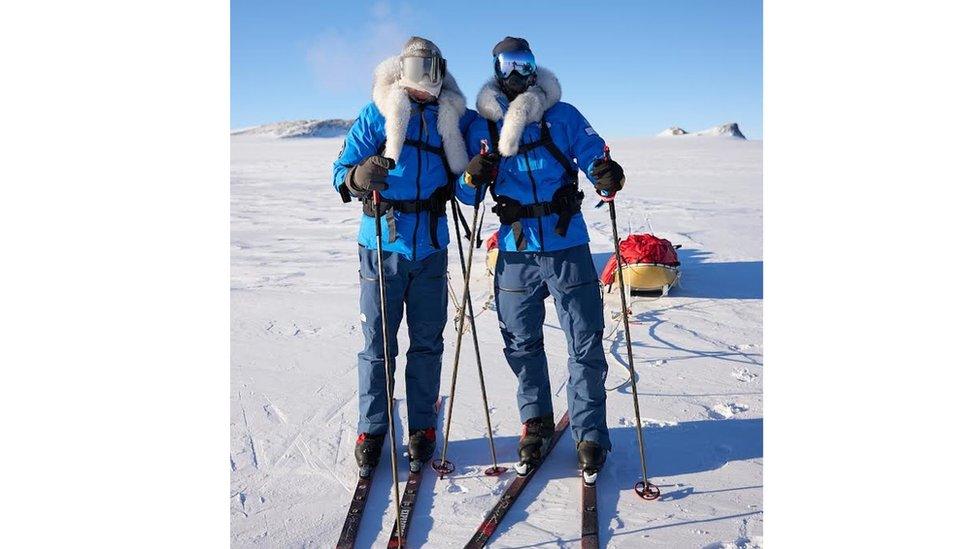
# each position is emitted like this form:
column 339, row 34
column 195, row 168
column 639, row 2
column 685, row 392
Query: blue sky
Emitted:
column 633, row 68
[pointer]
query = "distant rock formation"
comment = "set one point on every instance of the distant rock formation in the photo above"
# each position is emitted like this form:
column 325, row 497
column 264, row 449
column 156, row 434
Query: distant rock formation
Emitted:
column 724, row 130
column 673, row 130
column 299, row 128
column 731, row 130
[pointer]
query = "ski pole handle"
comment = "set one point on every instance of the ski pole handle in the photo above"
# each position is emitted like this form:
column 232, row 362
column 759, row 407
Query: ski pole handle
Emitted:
column 477, row 193
column 604, row 195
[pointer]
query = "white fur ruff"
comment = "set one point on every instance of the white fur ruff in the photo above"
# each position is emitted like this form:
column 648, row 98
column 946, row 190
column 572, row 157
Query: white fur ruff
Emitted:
column 394, row 104
column 525, row 109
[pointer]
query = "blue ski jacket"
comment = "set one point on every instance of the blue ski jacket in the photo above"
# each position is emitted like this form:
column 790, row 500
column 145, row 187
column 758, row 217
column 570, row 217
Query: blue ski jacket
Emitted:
column 421, row 138
column 532, row 176
column 418, row 173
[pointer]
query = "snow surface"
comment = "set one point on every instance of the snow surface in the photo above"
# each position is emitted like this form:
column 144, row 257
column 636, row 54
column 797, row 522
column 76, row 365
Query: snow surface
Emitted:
column 295, row 334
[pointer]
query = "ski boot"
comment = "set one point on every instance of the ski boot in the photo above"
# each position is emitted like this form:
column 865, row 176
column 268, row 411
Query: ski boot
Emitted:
column 421, row 447
column 368, row 450
column 590, row 458
column 536, row 434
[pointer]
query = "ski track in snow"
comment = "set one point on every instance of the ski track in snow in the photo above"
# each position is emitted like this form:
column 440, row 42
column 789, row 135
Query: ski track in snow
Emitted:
column 698, row 354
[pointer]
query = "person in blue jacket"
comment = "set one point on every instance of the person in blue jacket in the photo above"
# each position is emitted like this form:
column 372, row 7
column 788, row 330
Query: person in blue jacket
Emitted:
column 538, row 144
column 408, row 144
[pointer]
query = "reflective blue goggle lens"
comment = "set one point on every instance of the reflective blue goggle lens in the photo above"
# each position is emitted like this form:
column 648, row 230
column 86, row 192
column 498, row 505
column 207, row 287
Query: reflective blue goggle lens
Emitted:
column 522, row 62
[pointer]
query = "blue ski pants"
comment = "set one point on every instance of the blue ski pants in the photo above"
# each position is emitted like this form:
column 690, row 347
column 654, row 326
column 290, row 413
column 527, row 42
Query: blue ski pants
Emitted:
column 522, row 283
column 420, row 287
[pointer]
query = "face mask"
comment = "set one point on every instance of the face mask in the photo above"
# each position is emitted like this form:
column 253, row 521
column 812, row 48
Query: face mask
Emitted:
column 516, row 84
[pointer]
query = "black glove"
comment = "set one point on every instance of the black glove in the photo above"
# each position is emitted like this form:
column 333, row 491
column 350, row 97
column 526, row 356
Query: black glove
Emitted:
column 609, row 177
column 482, row 170
column 369, row 175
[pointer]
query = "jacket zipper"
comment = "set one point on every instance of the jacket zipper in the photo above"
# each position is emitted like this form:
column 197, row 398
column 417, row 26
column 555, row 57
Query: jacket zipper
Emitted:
column 535, row 197
column 416, row 226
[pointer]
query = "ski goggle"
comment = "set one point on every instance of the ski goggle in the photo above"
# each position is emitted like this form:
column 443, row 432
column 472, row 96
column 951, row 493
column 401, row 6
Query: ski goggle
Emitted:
column 522, row 62
column 416, row 69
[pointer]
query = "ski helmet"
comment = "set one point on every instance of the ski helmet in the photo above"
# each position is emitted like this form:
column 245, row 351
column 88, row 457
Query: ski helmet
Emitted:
column 515, row 68
column 422, row 66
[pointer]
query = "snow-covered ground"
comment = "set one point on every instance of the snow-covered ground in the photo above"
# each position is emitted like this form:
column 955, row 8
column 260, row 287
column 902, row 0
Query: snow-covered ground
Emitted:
column 295, row 334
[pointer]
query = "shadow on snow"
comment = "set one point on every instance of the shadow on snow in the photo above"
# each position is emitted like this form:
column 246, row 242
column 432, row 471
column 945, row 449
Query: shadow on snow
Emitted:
column 685, row 448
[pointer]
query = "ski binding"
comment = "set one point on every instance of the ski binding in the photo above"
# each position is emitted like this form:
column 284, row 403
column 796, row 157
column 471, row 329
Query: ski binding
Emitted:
column 589, row 477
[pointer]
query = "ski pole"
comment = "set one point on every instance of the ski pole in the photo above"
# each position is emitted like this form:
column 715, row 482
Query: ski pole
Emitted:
column 494, row 470
column 442, row 465
column 644, row 488
column 386, row 364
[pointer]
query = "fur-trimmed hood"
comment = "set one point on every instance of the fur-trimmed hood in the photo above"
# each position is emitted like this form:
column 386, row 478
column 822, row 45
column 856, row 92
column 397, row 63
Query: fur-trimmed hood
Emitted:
column 525, row 109
column 394, row 104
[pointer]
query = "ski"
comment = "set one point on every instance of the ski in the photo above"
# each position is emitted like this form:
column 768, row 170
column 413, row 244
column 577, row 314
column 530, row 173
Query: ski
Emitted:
column 589, row 533
column 498, row 512
column 407, row 503
column 409, row 498
column 347, row 538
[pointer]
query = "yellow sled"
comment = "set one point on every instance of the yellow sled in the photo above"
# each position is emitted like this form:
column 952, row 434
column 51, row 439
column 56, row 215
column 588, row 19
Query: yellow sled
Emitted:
column 490, row 259
column 650, row 277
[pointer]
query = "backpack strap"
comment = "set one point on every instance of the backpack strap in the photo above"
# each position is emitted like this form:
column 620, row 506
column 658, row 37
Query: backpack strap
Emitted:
column 571, row 171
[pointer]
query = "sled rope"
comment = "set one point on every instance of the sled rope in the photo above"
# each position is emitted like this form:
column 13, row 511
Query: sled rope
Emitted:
column 457, row 305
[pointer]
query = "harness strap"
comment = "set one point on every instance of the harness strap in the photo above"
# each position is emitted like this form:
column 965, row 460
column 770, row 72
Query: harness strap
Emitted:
column 435, row 206
column 417, row 206
column 424, row 146
column 439, row 151
column 449, row 186
column 572, row 172
column 565, row 203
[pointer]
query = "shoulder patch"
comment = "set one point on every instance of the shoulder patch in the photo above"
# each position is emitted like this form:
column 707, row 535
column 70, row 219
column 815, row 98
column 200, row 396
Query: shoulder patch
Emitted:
column 590, row 131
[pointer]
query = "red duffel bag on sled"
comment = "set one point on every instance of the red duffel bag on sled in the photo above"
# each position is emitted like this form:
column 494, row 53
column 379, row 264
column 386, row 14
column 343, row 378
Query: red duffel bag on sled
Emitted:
column 650, row 264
